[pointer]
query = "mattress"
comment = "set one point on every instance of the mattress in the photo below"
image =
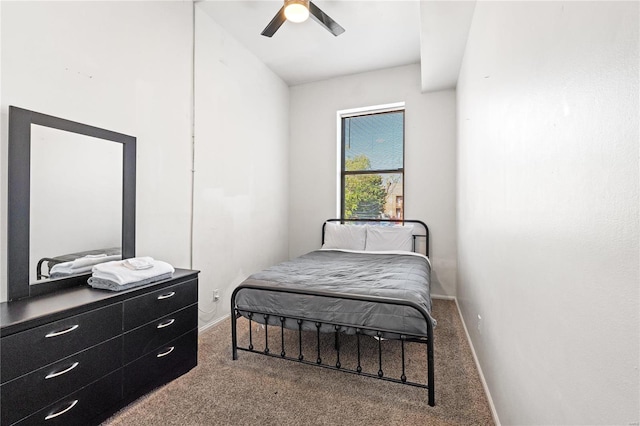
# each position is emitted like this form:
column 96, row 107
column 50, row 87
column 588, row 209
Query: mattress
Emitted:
column 398, row 275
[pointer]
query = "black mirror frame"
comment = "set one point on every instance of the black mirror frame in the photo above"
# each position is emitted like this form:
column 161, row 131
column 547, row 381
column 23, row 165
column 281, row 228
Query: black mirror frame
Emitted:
column 18, row 210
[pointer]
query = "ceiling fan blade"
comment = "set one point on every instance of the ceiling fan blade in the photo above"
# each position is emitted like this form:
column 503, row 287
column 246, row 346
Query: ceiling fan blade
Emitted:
column 275, row 23
column 323, row 19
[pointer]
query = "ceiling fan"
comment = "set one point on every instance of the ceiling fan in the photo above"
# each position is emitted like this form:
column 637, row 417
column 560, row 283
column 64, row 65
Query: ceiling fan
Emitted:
column 299, row 11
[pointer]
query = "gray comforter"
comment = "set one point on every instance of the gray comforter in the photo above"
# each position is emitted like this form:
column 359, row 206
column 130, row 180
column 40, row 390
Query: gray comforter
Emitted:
column 400, row 276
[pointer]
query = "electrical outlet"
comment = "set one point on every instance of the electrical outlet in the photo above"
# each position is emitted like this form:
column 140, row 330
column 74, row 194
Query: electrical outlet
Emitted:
column 216, row 295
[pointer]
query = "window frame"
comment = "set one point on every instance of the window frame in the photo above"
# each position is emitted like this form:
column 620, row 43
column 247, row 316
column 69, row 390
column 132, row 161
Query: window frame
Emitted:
column 363, row 112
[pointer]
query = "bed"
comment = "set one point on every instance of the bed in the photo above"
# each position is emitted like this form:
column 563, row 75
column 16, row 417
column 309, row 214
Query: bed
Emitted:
column 371, row 278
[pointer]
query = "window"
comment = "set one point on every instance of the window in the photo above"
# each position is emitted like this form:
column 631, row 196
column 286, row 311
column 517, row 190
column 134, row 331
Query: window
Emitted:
column 372, row 169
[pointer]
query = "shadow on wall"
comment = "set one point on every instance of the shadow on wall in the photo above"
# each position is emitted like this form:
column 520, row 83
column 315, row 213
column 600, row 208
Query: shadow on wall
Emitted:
column 436, row 286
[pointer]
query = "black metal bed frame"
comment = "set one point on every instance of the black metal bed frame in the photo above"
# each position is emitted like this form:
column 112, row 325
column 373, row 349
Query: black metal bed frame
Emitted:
column 426, row 339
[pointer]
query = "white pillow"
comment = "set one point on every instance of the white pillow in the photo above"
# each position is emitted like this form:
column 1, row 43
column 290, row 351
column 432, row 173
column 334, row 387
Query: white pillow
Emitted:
column 345, row 237
column 382, row 238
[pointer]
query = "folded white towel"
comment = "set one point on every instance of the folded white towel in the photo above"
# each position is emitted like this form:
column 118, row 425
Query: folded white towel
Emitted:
column 120, row 274
column 110, row 285
column 80, row 265
column 94, row 259
column 137, row 263
column 62, row 270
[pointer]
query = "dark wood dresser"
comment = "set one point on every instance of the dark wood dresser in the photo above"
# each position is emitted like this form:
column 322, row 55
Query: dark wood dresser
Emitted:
column 78, row 355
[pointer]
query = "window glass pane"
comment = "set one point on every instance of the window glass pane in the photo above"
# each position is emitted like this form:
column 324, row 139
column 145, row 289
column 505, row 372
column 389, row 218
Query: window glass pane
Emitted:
column 374, row 142
column 373, row 196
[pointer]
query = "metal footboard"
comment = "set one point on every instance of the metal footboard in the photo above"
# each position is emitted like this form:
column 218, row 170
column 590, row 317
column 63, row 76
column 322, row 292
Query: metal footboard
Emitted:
column 265, row 318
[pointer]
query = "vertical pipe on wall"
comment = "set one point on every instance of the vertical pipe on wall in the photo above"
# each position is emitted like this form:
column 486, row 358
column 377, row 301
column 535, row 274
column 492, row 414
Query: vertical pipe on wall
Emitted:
column 193, row 127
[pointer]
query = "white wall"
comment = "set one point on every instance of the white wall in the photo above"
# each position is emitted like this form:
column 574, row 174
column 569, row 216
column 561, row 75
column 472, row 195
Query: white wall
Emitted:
column 429, row 158
column 123, row 66
column 548, row 208
column 241, row 167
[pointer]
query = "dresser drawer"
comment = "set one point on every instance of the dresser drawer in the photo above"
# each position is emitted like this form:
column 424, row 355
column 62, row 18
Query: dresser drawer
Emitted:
column 148, row 307
column 172, row 359
column 31, row 392
column 157, row 333
column 82, row 406
column 29, row 350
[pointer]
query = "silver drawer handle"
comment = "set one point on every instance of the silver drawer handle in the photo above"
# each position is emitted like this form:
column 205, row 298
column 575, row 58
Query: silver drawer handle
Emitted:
column 160, row 355
column 166, row 295
column 59, row 413
column 167, row 323
column 60, row 373
column 58, row 333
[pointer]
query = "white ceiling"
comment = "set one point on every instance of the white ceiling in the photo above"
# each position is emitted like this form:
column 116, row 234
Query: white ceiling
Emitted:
column 379, row 34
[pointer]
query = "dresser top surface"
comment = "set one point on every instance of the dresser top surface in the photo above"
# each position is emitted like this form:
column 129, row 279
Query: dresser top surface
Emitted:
column 23, row 314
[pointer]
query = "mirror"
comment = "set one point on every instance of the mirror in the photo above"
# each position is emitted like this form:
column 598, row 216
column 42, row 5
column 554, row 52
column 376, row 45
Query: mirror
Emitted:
column 75, row 200
column 71, row 195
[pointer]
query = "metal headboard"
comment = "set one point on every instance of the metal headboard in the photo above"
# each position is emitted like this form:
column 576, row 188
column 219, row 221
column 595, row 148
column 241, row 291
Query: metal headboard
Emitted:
column 390, row 221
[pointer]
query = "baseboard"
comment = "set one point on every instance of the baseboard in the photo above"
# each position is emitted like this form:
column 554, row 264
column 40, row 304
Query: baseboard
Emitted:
column 494, row 413
column 443, row 297
column 212, row 323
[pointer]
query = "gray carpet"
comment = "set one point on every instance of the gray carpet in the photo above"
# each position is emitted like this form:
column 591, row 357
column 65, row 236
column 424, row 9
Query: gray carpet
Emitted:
column 257, row 389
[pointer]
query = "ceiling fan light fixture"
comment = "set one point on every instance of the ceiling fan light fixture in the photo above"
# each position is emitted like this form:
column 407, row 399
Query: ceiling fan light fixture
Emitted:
column 299, row 11
column 296, row 10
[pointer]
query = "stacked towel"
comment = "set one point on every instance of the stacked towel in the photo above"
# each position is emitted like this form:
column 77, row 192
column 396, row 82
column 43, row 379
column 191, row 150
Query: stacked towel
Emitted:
column 137, row 263
column 80, row 265
column 128, row 273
